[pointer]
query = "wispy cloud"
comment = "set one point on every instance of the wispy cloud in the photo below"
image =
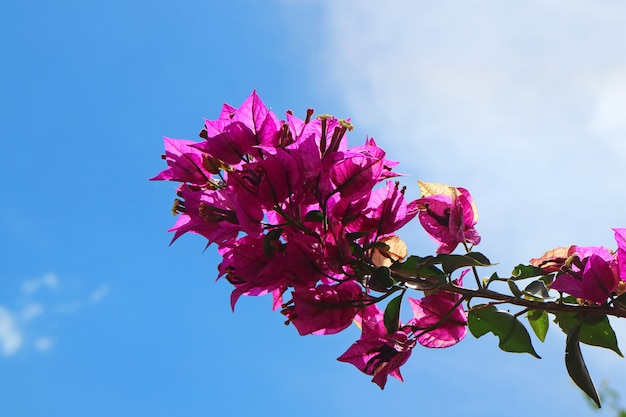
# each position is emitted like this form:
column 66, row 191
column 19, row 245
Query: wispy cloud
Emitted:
column 522, row 103
column 44, row 343
column 10, row 336
column 16, row 321
column 31, row 311
column 99, row 293
column 48, row 280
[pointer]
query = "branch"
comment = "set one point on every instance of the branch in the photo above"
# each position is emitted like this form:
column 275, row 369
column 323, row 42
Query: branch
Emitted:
column 549, row 306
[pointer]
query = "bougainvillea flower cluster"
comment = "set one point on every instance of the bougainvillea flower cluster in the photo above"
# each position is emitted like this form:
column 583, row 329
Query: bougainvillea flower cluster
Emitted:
column 589, row 273
column 296, row 213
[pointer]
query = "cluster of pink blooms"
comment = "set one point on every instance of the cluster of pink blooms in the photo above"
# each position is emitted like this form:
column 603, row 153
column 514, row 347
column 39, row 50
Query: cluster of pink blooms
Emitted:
column 592, row 274
column 296, row 213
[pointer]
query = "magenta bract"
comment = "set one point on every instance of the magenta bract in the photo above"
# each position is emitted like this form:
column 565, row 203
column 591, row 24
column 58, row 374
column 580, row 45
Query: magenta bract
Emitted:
column 186, row 163
column 449, row 219
column 431, row 310
column 589, row 273
column 378, row 353
column 620, row 238
column 325, row 309
column 295, row 212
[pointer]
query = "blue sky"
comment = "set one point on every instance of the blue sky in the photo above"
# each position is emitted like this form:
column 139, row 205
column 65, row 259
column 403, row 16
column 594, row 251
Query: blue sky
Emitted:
column 522, row 104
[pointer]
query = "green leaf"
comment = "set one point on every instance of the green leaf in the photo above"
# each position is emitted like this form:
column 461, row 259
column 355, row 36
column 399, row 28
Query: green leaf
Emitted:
column 512, row 334
column 357, row 250
column 355, row 235
column 493, row 277
column 381, row 279
column 392, row 314
column 514, row 289
column 431, row 271
column 539, row 322
column 479, row 257
column 414, row 262
column 620, row 301
column 537, row 289
column 576, row 367
column 595, row 329
column 567, row 321
column 451, row 263
column 378, row 245
column 547, row 279
column 526, row 271
column 415, row 266
column 316, row 216
column 408, row 267
column 568, row 299
column 270, row 242
column 419, row 273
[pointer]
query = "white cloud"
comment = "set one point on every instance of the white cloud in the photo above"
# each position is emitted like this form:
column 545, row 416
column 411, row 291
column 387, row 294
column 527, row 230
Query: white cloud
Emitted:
column 49, row 280
column 99, row 293
column 67, row 307
column 16, row 327
column 10, row 336
column 31, row 311
column 44, row 343
column 521, row 103
column 609, row 116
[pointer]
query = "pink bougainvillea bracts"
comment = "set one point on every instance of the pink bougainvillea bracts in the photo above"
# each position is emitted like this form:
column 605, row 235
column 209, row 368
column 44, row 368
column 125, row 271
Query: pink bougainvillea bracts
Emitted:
column 297, row 213
column 379, row 353
column 448, row 215
column 440, row 320
column 590, row 273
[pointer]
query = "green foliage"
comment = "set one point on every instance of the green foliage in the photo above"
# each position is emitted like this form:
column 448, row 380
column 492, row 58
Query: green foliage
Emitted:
column 594, row 329
column 392, row 314
column 610, row 398
column 270, row 241
column 576, row 367
column 381, row 279
column 526, row 271
column 416, row 266
column 451, row 263
column 539, row 322
column 514, row 289
column 620, row 301
column 316, row 216
column 537, row 290
column 512, row 334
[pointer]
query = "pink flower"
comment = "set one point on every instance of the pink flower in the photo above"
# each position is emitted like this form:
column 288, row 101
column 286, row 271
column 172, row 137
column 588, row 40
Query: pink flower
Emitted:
column 337, row 252
column 247, row 266
column 449, row 218
column 205, row 212
column 592, row 274
column 236, row 133
column 620, row 238
column 554, row 259
column 258, row 265
column 355, row 171
column 378, row 353
column 325, row 309
column 388, row 209
column 431, row 310
column 186, row 163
